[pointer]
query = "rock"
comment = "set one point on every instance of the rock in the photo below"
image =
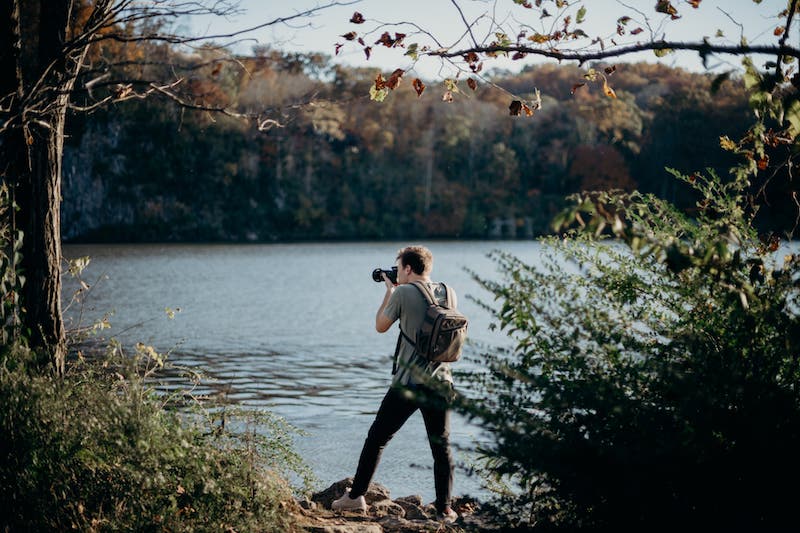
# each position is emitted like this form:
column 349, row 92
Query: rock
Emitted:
column 415, row 499
column 412, row 505
column 387, row 508
column 395, row 524
column 349, row 528
column 307, row 504
column 375, row 493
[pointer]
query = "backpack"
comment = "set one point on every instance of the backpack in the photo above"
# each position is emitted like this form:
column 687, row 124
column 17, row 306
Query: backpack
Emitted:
column 443, row 331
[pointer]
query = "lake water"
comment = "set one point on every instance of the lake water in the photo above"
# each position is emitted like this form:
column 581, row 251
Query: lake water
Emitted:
column 290, row 328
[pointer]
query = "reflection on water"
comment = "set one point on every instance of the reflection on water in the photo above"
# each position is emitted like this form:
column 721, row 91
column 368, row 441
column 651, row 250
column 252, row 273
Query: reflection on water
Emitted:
column 289, row 328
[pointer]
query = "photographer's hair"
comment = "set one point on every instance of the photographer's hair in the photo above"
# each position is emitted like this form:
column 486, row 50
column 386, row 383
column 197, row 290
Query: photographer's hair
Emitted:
column 419, row 258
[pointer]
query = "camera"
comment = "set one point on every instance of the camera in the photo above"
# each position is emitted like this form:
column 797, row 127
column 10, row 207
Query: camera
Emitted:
column 391, row 273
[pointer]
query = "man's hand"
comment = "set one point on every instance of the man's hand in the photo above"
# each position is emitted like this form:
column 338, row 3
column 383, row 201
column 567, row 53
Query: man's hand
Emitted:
column 383, row 322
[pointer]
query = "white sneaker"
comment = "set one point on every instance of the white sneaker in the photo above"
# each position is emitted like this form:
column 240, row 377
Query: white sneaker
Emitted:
column 346, row 503
column 448, row 516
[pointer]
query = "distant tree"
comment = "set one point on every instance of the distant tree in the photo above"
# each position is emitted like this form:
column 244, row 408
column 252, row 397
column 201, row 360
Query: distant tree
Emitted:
column 51, row 51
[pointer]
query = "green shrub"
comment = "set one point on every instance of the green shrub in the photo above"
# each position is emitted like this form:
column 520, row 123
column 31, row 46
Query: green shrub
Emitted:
column 100, row 450
column 654, row 381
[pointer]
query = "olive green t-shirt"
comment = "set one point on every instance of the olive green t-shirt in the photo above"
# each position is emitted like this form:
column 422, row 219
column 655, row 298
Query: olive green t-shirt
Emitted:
column 408, row 304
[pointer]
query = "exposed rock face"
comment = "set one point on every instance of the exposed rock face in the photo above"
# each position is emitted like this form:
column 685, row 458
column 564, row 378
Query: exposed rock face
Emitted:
column 406, row 514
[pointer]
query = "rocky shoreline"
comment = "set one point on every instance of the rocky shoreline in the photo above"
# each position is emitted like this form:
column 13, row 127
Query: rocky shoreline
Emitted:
column 386, row 515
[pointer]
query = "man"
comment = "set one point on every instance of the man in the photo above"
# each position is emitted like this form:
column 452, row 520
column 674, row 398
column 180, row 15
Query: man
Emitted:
column 416, row 384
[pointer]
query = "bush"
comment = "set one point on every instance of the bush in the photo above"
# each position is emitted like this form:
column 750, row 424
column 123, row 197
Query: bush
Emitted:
column 654, row 381
column 100, row 450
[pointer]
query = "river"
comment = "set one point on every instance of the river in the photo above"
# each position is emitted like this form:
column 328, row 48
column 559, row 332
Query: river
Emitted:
column 290, row 328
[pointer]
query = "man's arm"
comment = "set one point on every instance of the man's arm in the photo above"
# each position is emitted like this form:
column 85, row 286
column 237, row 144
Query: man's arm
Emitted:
column 383, row 322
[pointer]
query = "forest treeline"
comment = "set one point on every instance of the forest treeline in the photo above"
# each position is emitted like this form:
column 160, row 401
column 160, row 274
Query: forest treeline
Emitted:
column 343, row 167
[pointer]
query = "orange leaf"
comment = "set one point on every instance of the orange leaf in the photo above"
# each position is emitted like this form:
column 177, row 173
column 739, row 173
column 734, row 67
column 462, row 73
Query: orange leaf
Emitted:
column 418, row 86
column 380, row 83
column 350, row 35
column 779, row 31
column 472, row 84
column 763, row 163
column 608, row 90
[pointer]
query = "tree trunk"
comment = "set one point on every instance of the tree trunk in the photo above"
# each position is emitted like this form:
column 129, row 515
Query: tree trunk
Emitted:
column 39, row 73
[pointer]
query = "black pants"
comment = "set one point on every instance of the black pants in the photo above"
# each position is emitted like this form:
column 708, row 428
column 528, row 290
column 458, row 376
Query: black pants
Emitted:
column 397, row 406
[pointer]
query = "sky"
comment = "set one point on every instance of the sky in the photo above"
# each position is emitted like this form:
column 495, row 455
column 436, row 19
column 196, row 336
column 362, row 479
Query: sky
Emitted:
column 441, row 18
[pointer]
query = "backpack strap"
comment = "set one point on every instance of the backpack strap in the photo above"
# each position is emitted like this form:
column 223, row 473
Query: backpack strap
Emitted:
column 426, row 292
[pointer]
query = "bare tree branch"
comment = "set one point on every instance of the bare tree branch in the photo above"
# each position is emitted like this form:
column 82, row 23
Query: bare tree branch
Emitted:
column 703, row 49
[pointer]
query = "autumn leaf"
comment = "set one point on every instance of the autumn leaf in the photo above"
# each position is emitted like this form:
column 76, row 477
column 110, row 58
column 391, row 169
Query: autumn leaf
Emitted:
column 778, row 31
column 576, row 87
column 515, row 108
column 666, row 7
column 447, row 97
column 394, row 79
column 350, row 36
column 367, row 51
column 472, row 84
column 695, row 3
column 385, row 40
column 539, row 38
column 357, row 18
column 518, row 55
column 637, row 31
column 338, row 47
column 418, row 86
column 611, row 70
column 623, row 20
column 763, row 163
column 591, row 75
column 727, row 144
column 378, row 95
column 608, row 90
column 380, row 83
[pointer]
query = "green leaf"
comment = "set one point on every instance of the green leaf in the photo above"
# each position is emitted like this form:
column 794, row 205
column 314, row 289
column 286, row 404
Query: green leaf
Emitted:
column 662, row 52
column 378, row 95
column 412, row 51
column 581, row 14
column 793, row 117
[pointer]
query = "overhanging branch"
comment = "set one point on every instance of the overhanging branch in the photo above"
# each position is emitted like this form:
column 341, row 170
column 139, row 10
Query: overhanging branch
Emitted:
column 702, row 48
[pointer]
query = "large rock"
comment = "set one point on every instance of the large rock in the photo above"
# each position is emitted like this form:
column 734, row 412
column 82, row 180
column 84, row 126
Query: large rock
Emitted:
column 387, row 508
column 375, row 493
column 413, row 507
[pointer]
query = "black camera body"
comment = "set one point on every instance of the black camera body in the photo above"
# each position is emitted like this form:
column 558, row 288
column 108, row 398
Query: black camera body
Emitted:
column 390, row 273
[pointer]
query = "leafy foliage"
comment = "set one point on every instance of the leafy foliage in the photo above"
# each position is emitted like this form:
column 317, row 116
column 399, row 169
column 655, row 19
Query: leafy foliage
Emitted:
column 99, row 450
column 650, row 385
column 654, row 381
column 11, row 279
